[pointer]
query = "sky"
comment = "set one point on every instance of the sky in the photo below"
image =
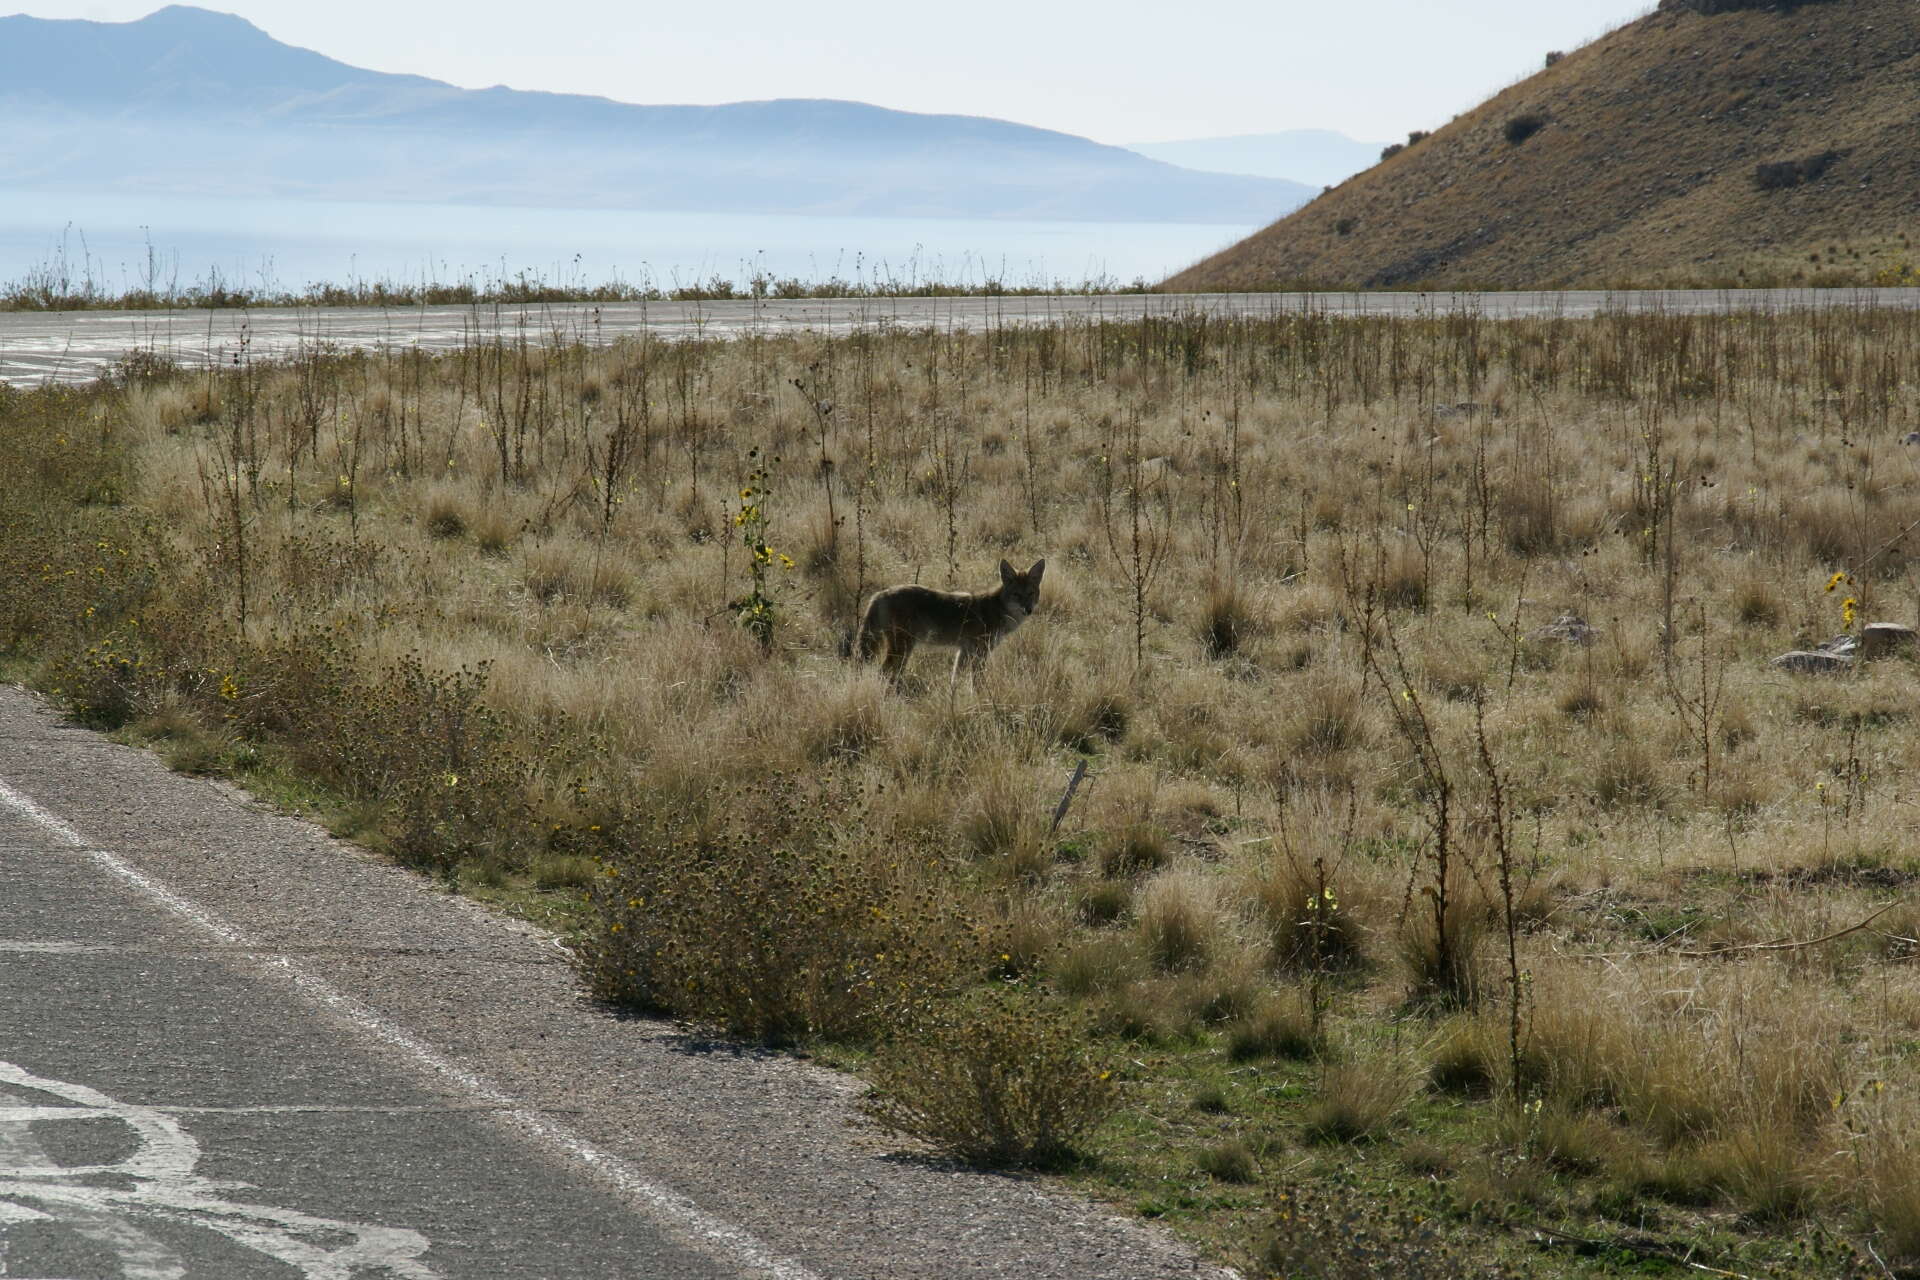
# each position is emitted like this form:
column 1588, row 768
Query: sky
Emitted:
column 1134, row 71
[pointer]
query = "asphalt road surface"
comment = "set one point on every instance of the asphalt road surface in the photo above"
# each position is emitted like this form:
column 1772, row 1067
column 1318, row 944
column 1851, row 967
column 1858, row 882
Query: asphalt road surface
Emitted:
column 77, row 346
column 232, row 1047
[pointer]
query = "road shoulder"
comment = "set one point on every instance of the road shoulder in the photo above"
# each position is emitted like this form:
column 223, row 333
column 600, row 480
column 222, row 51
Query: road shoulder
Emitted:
column 763, row 1143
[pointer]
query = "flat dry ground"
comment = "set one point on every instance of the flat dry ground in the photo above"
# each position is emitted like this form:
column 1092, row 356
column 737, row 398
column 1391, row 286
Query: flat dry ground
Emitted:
column 1385, row 900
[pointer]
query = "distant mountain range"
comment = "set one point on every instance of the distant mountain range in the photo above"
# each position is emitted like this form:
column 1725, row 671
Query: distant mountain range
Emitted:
column 188, row 101
column 1320, row 157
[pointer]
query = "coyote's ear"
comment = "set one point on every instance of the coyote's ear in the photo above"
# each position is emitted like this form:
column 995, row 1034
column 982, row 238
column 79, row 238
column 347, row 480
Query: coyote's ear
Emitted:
column 1006, row 572
column 1033, row 574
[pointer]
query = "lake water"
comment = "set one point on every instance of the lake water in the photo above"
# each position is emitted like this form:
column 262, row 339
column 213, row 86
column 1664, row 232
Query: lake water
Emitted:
column 124, row 242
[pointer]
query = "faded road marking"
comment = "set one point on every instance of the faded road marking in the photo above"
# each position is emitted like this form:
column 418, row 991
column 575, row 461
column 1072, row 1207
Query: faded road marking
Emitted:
column 104, row 1203
column 668, row 1208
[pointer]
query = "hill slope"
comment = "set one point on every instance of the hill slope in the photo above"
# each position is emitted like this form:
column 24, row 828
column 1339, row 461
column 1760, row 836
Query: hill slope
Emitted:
column 1638, row 159
column 194, row 102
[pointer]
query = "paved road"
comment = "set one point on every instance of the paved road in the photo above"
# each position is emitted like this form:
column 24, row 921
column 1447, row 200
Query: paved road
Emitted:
column 77, row 346
column 232, row 1047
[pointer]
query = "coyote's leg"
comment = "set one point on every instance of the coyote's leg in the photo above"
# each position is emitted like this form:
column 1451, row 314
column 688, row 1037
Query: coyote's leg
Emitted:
column 899, row 649
column 971, row 657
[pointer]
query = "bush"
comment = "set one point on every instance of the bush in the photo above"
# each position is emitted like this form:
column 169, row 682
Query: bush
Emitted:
column 1356, row 1102
column 1445, row 969
column 772, row 924
column 445, row 768
column 444, row 520
column 454, row 780
column 1228, row 621
column 1104, row 901
column 1304, row 921
column 1326, row 717
column 1132, row 849
column 1177, row 923
column 1001, row 1078
column 1279, row 1028
column 1229, row 1161
column 1524, row 126
column 1779, row 174
column 1465, row 1059
column 1339, row 1234
column 74, row 563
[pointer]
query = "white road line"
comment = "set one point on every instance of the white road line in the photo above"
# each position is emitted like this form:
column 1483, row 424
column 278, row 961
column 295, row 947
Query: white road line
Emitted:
column 107, row 1203
column 57, row 947
column 331, row 1109
column 13, row 1115
column 728, row 1242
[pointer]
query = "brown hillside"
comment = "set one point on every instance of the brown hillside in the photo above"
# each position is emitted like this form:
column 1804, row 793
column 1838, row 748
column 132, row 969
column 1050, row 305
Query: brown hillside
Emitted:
column 1645, row 167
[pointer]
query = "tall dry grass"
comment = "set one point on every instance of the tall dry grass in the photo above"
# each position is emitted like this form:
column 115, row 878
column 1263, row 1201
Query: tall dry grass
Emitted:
column 535, row 559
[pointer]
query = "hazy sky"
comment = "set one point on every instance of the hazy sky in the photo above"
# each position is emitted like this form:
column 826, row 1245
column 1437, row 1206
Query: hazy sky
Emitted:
column 1120, row 71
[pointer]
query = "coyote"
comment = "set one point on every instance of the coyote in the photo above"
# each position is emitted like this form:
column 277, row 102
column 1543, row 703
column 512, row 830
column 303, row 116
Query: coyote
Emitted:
column 898, row 618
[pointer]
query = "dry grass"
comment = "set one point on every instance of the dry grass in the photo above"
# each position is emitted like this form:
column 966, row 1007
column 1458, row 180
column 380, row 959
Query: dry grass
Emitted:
column 1643, row 171
column 507, row 659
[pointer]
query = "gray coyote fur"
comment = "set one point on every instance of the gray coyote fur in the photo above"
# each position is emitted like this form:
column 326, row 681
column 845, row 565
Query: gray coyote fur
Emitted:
column 898, row 618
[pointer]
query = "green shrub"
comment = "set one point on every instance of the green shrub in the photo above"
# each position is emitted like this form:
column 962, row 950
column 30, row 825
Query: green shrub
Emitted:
column 1356, row 1102
column 1133, row 849
column 1524, row 126
column 74, row 564
column 1304, row 920
column 1000, row 1078
column 1279, row 1027
column 1776, row 175
column 1229, row 1161
column 1102, row 902
column 446, row 768
column 1446, row 969
column 1228, row 621
column 773, row 923
column 1464, row 1059
column 1339, row 1234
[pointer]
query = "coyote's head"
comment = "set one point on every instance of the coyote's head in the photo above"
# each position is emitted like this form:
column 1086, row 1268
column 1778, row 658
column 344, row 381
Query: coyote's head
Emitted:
column 1021, row 591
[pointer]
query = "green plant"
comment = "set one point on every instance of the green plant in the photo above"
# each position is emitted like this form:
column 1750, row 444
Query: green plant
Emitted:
column 1523, row 126
column 1141, row 539
column 999, row 1078
column 769, row 921
column 1230, row 1161
column 1176, row 923
column 1277, row 1028
column 1355, row 1102
column 755, row 611
column 1775, row 175
column 1339, row 1233
column 571, row 712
